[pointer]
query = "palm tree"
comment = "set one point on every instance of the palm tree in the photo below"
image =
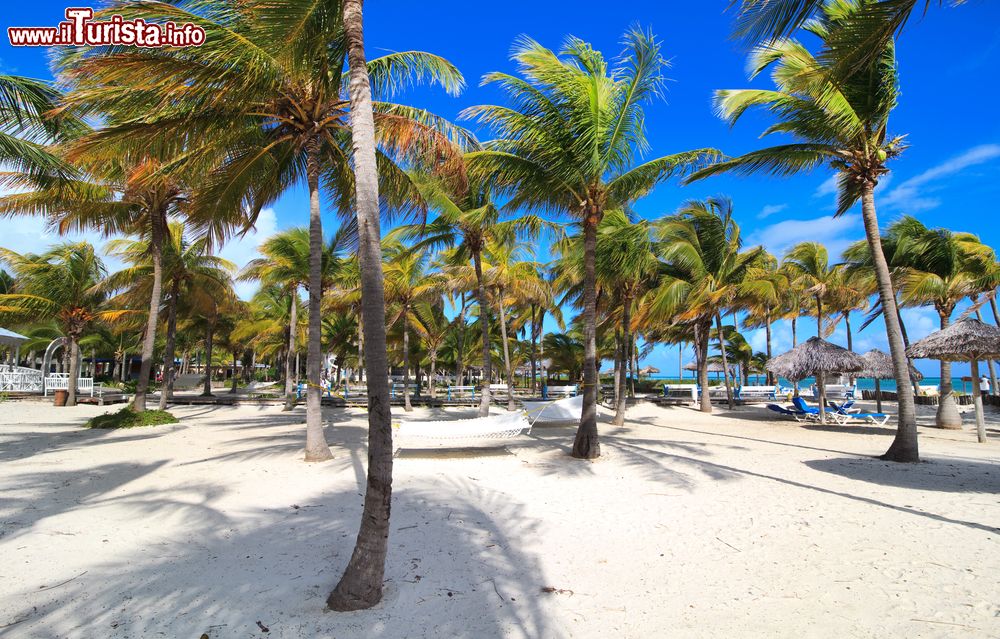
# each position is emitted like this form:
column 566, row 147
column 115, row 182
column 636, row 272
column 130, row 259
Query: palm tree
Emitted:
column 762, row 296
column 705, row 268
column 61, row 285
column 433, row 326
column 273, row 73
column 285, row 262
column 839, row 114
column 189, row 270
column 467, row 219
column 809, row 265
column 407, row 284
column 941, row 268
column 569, row 145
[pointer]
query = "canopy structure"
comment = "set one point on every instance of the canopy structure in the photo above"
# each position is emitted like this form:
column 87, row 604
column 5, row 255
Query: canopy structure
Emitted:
column 816, row 357
column 713, row 367
column 649, row 370
column 967, row 340
column 10, row 338
column 878, row 366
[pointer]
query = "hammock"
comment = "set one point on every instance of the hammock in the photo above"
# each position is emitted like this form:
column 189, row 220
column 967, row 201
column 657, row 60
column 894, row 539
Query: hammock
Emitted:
column 561, row 410
column 504, row 426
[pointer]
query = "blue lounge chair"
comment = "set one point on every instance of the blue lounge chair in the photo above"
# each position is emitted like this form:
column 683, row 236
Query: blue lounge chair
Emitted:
column 789, row 412
column 844, row 414
column 802, row 406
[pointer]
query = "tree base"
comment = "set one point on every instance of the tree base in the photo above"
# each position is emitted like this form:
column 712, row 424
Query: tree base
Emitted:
column 342, row 600
column 948, row 426
column 318, row 456
column 586, row 447
column 901, row 454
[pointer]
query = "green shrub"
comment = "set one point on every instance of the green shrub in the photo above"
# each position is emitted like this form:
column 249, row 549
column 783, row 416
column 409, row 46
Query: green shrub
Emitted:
column 128, row 418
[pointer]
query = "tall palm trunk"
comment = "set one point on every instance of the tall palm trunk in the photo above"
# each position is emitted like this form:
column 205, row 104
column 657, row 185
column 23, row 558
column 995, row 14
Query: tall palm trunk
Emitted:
column 157, row 223
column 947, row 415
column 701, row 331
column 767, row 333
column 725, row 361
column 167, row 389
column 431, row 386
column 626, row 361
column 534, row 352
column 586, row 444
column 293, row 322
column 316, row 447
column 989, row 362
column 484, row 326
column 506, row 351
column 361, row 585
column 232, row 387
column 406, row 360
column 209, row 337
column 73, row 366
column 904, row 447
column 361, row 345
column 460, row 350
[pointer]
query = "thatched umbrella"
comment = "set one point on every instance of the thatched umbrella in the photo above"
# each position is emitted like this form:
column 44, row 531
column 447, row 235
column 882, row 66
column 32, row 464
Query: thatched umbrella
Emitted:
column 816, row 357
column 966, row 340
column 878, row 366
column 648, row 370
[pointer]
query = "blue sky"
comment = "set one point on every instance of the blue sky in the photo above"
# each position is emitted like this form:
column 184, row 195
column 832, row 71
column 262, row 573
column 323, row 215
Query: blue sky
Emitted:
column 950, row 175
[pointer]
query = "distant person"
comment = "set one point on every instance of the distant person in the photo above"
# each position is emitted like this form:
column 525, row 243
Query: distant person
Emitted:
column 984, row 385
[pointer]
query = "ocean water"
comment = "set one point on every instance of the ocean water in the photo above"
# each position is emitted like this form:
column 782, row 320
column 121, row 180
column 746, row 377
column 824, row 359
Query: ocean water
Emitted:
column 869, row 384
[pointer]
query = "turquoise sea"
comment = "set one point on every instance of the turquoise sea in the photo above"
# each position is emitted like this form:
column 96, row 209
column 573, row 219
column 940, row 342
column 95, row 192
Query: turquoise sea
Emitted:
column 886, row 384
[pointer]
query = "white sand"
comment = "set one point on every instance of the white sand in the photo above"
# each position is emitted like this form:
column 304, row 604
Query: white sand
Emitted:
column 688, row 526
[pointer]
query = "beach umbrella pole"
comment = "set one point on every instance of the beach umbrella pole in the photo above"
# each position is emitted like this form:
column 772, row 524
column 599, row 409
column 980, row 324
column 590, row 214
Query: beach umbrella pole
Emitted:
column 977, row 399
column 820, row 380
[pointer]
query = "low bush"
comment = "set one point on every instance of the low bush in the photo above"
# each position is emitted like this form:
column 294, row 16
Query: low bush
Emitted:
column 128, row 418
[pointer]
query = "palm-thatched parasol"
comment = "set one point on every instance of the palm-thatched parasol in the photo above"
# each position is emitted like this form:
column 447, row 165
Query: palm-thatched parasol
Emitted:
column 816, row 357
column 648, row 370
column 878, row 366
column 967, row 340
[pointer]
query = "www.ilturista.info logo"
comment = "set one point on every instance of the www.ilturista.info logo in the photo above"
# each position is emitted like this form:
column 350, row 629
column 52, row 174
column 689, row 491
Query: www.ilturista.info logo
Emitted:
column 80, row 30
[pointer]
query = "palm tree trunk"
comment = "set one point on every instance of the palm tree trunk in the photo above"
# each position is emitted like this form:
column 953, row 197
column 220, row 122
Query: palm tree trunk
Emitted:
column 406, row 361
column 586, row 444
column 904, row 447
column 947, row 415
column 207, row 392
column 460, row 346
column 484, row 326
column 850, row 341
column 633, row 366
column 316, row 447
column 157, row 223
column 361, row 344
column 293, row 322
column 167, row 388
column 506, row 352
column 767, row 332
column 232, row 387
column 431, row 386
column 701, row 331
column 534, row 352
column 626, row 361
column 361, row 585
column 73, row 350
column 725, row 362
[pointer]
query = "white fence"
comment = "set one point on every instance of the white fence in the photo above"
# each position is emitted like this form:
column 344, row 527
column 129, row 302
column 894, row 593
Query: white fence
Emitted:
column 60, row 381
column 18, row 379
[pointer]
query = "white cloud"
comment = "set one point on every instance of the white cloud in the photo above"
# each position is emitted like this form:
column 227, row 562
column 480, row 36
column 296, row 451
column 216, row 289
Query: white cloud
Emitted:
column 241, row 250
column 912, row 194
column 828, row 187
column 835, row 233
column 32, row 235
column 771, row 209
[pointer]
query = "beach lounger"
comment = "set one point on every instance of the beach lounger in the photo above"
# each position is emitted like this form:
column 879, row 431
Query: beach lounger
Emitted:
column 790, row 411
column 846, row 416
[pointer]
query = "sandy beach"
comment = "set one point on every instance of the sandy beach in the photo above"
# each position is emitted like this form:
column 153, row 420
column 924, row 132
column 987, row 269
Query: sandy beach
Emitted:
column 688, row 526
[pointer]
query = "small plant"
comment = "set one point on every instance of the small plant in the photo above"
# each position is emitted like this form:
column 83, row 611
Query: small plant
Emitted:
column 128, row 418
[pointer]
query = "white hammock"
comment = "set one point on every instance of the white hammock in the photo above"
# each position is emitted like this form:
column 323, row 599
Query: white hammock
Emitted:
column 504, row 426
column 560, row 410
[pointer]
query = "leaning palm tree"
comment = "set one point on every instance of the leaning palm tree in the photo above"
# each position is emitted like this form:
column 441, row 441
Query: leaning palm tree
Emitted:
column 705, row 267
column 762, row 297
column 273, row 73
column 839, row 115
column 569, row 145
column 61, row 285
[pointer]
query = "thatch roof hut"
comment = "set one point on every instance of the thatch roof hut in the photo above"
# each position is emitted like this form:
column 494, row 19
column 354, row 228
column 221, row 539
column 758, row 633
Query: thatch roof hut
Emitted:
column 878, row 366
column 813, row 357
column 966, row 340
column 816, row 357
column 649, row 370
column 713, row 367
